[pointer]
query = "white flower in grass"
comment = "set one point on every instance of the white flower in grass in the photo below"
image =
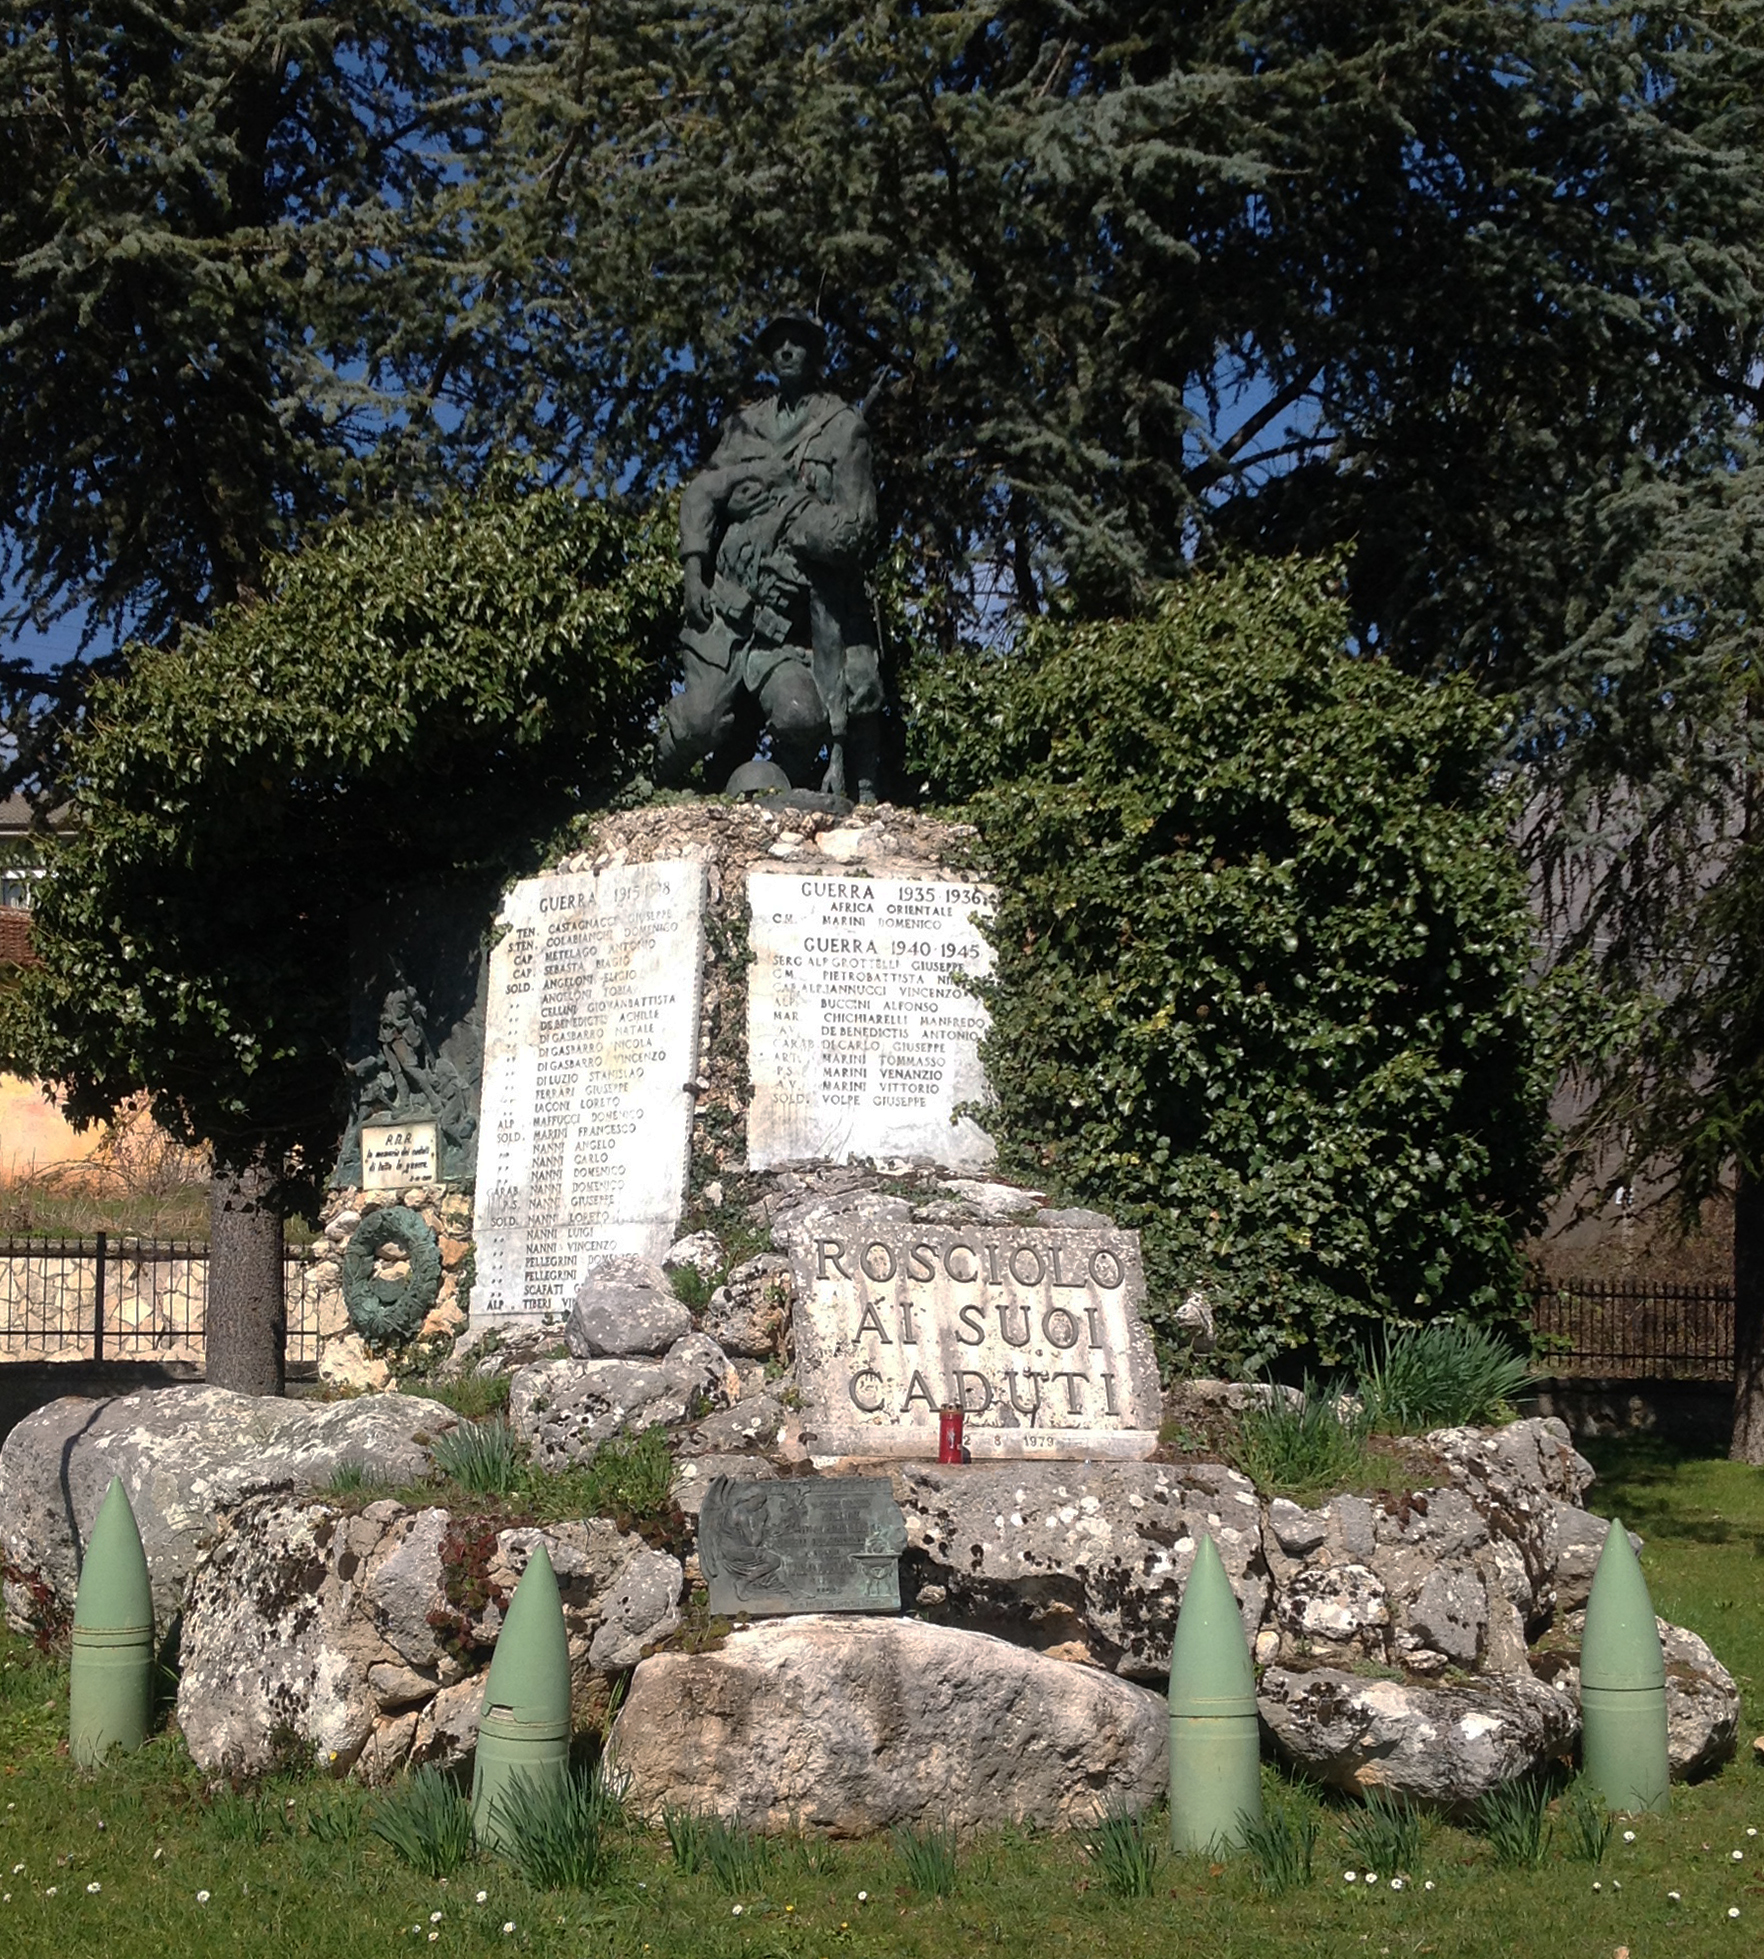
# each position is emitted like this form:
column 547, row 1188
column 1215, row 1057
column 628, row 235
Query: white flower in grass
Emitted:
column 1733, row 1911
column 202, row 1897
column 50, row 1893
column 93, row 1889
column 433, row 1936
column 1672, row 1897
column 1751, row 1832
column 1739, row 1856
column 434, row 1918
column 1350, row 1877
column 1396, row 1884
column 508, row 1924
column 863, row 1896
column 734, row 1911
column 1629, row 1836
column 1428, row 1886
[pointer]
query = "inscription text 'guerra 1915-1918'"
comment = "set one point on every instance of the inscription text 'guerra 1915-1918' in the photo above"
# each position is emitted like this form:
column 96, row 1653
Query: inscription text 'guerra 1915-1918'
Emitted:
column 591, row 1040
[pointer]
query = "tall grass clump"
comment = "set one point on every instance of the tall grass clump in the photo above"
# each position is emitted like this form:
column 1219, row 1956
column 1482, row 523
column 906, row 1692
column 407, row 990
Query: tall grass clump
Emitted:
column 1310, row 1441
column 688, row 1833
column 1386, row 1834
column 928, row 1857
column 1126, row 1854
column 479, row 1456
column 353, row 1477
column 1590, row 1821
column 1282, row 1845
column 738, row 1859
column 427, row 1822
column 1441, row 1376
column 1514, row 1817
column 558, row 1829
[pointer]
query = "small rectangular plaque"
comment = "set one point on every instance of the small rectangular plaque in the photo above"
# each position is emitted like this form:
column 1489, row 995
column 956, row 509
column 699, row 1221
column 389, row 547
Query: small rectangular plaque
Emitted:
column 801, row 1546
column 396, row 1154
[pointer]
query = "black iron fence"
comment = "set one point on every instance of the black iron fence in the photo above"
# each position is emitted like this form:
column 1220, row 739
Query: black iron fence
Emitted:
column 116, row 1298
column 1635, row 1329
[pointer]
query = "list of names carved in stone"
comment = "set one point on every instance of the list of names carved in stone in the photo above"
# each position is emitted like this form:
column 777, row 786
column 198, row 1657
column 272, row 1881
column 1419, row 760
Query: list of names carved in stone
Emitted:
column 861, row 1040
column 590, row 1054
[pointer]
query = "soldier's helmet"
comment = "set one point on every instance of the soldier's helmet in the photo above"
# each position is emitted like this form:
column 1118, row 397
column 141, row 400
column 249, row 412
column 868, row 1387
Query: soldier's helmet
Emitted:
column 793, row 326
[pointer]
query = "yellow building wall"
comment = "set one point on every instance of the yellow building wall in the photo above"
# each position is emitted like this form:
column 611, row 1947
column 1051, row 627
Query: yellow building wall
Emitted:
column 34, row 1135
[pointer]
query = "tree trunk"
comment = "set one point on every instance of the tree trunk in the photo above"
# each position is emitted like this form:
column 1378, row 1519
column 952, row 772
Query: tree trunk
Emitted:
column 247, row 1315
column 1748, row 1319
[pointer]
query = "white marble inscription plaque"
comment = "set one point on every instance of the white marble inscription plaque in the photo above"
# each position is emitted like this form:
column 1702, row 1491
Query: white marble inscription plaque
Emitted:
column 590, row 1054
column 1034, row 1333
column 396, row 1154
column 859, row 1041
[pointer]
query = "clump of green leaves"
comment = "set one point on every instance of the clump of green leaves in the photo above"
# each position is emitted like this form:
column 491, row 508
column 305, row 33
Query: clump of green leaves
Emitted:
column 559, row 1828
column 1514, row 1817
column 1282, row 1843
column 1590, row 1822
column 1441, row 1376
column 688, row 1832
column 928, row 1856
column 1262, row 980
column 352, row 1477
column 1305, row 1440
column 481, row 1457
column 738, row 1859
column 427, row 1822
column 1126, row 1852
column 629, row 1475
column 1386, row 1834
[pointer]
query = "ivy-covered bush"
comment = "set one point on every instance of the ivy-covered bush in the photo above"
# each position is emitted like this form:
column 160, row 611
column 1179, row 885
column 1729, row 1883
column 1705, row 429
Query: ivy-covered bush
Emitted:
column 1262, row 948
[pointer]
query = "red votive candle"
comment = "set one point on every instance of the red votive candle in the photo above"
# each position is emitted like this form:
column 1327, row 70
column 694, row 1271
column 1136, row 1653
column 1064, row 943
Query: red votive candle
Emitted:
column 949, row 1434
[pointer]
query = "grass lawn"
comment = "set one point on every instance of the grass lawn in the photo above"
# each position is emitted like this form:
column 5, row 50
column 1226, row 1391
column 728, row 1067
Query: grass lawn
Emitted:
column 143, row 1860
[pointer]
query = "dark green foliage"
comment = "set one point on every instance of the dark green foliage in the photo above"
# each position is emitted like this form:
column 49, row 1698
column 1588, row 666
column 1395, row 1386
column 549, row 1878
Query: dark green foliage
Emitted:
column 1384, row 1836
column 1262, row 955
column 1440, row 1376
column 928, row 1856
column 228, row 266
column 559, row 1830
column 739, row 1859
column 353, row 1477
column 1125, row 1849
column 1296, row 1441
column 1590, row 1822
column 481, row 1457
column 423, row 701
column 1514, row 1817
column 1459, row 285
column 427, row 1822
column 1283, row 1845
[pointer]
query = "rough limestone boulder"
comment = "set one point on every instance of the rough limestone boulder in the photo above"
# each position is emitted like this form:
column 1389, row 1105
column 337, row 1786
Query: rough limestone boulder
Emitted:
column 748, row 1313
column 1440, row 1745
column 183, row 1454
column 1461, row 1574
column 1084, row 1560
column 363, row 1637
column 625, row 1307
column 845, row 1727
column 564, row 1409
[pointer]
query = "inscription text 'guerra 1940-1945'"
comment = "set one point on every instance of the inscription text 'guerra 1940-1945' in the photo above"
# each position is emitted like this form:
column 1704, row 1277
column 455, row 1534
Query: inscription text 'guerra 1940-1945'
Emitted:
column 861, row 1039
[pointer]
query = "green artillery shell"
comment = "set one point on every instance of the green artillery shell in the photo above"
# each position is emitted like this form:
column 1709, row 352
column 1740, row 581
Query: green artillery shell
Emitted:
column 110, row 1698
column 1623, row 1683
column 525, row 1728
column 1215, row 1736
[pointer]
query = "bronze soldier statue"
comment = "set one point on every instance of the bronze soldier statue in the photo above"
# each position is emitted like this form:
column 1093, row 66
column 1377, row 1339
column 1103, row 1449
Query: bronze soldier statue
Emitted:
column 775, row 538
